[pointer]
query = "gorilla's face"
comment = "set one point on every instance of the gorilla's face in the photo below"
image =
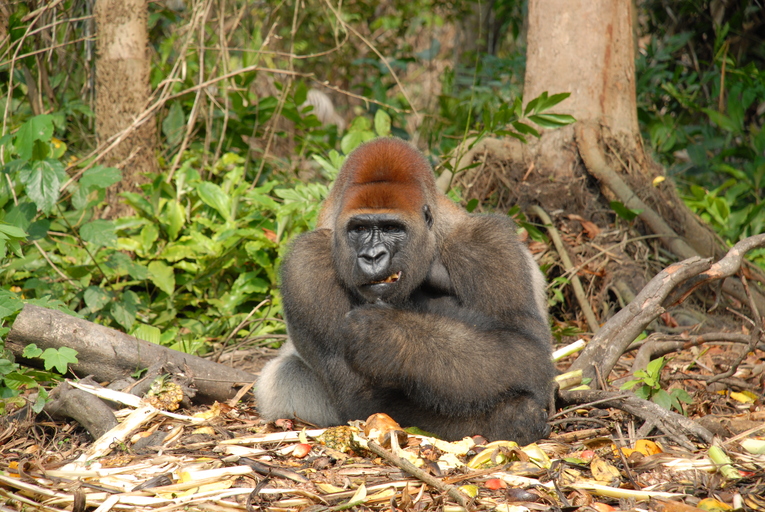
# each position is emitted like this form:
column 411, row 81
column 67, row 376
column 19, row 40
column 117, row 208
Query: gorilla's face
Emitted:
column 385, row 256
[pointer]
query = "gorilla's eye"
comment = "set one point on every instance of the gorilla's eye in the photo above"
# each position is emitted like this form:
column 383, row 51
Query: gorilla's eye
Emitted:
column 391, row 228
column 360, row 228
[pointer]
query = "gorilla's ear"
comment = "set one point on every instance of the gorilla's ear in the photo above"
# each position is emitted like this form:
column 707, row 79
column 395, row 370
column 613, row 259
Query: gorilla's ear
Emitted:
column 428, row 216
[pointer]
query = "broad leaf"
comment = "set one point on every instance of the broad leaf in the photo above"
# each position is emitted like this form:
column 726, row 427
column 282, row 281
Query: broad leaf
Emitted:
column 100, row 177
column 162, row 276
column 382, row 123
column 60, row 359
column 214, row 197
column 96, row 298
column 36, row 128
column 99, row 233
column 41, row 182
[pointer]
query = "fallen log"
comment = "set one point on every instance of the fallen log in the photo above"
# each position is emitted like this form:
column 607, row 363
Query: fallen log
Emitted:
column 107, row 354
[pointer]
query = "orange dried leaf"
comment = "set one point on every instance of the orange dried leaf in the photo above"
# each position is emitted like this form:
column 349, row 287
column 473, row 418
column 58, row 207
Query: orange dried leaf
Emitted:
column 495, row 484
column 647, row 447
column 269, row 234
column 602, row 507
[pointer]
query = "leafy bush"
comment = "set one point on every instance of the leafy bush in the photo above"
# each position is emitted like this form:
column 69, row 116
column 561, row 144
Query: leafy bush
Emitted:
column 698, row 106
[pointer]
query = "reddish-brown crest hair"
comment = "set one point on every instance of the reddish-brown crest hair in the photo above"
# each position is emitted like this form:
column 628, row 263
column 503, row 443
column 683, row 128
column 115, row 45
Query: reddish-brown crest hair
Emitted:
column 386, row 174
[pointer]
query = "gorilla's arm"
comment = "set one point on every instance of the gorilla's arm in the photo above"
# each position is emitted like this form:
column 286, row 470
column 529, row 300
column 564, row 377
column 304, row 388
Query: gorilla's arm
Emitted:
column 314, row 301
column 315, row 306
column 467, row 354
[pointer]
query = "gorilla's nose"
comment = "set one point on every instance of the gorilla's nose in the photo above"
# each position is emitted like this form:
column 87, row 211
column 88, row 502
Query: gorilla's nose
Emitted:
column 374, row 260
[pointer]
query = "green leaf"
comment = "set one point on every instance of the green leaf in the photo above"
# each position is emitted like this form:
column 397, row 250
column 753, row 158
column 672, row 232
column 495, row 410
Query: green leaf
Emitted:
column 525, row 129
column 7, row 367
column 643, row 392
column 630, row 384
column 213, row 196
column 472, row 204
column 148, row 333
column 149, row 235
column 174, row 217
column 17, row 380
column 162, row 276
column 553, row 100
column 552, row 120
column 654, row 367
column 60, row 359
column 42, row 399
column 123, row 314
column 41, row 182
column 9, row 304
column 124, row 310
column 96, row 298
column 301, row 93
column 99, row 233
column 31, row 351
column 624, row 212
column 532, row 105
column 36, row 128
column 681, row 395
column 100, row 177
column 721, row 120
column 174, row 124
column 382, row 123
column 663, row 399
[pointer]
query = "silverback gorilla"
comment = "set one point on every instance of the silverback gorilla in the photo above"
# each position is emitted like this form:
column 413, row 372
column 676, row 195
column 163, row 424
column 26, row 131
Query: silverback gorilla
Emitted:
column 402, row 302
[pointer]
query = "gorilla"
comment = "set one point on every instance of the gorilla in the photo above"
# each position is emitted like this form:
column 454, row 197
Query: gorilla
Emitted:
column 402, row 302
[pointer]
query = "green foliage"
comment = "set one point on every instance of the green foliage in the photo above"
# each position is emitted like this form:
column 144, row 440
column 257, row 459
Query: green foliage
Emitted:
column 647, row 384
column 699, row 97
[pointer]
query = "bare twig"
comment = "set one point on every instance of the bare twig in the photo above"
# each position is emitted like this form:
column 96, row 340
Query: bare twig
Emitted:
column 581, row 297
column 416, row 472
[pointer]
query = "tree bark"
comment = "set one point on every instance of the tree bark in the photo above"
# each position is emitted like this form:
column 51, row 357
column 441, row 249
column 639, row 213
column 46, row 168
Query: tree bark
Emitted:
column 108, row 355
column 587, row 48
column 584, row 47
column 122, row 93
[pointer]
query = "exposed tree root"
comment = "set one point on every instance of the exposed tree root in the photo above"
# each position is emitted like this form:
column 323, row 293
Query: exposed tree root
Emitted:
column 587, row 136
column 608, row 345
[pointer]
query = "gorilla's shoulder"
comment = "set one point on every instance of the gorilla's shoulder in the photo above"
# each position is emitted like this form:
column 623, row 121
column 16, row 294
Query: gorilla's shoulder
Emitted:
column 485, row 229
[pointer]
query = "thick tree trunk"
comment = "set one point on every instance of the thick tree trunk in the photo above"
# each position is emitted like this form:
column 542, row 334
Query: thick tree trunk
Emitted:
column 122, row 93
column 584, row 47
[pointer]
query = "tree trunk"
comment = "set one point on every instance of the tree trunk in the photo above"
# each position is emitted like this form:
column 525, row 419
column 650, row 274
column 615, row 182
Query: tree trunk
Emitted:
column 122, row 93
column 586, row 47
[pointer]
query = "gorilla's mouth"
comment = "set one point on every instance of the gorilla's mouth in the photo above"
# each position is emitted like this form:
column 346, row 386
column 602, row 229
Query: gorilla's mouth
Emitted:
column 390, row 279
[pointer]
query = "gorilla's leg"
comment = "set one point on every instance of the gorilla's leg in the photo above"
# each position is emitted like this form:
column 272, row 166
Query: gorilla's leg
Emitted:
column 288, row 388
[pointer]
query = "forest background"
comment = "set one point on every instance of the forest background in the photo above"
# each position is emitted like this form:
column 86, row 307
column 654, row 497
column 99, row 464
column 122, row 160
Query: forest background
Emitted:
column 158, row 157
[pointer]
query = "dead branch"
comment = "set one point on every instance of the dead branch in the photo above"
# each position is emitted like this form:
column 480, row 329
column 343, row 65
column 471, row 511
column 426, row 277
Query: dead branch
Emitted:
column 416, row 472
column 672, row 424
column 726, row 267
column 608, row 345
column 108, row 354
column 86, row 409
column 581, row 296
